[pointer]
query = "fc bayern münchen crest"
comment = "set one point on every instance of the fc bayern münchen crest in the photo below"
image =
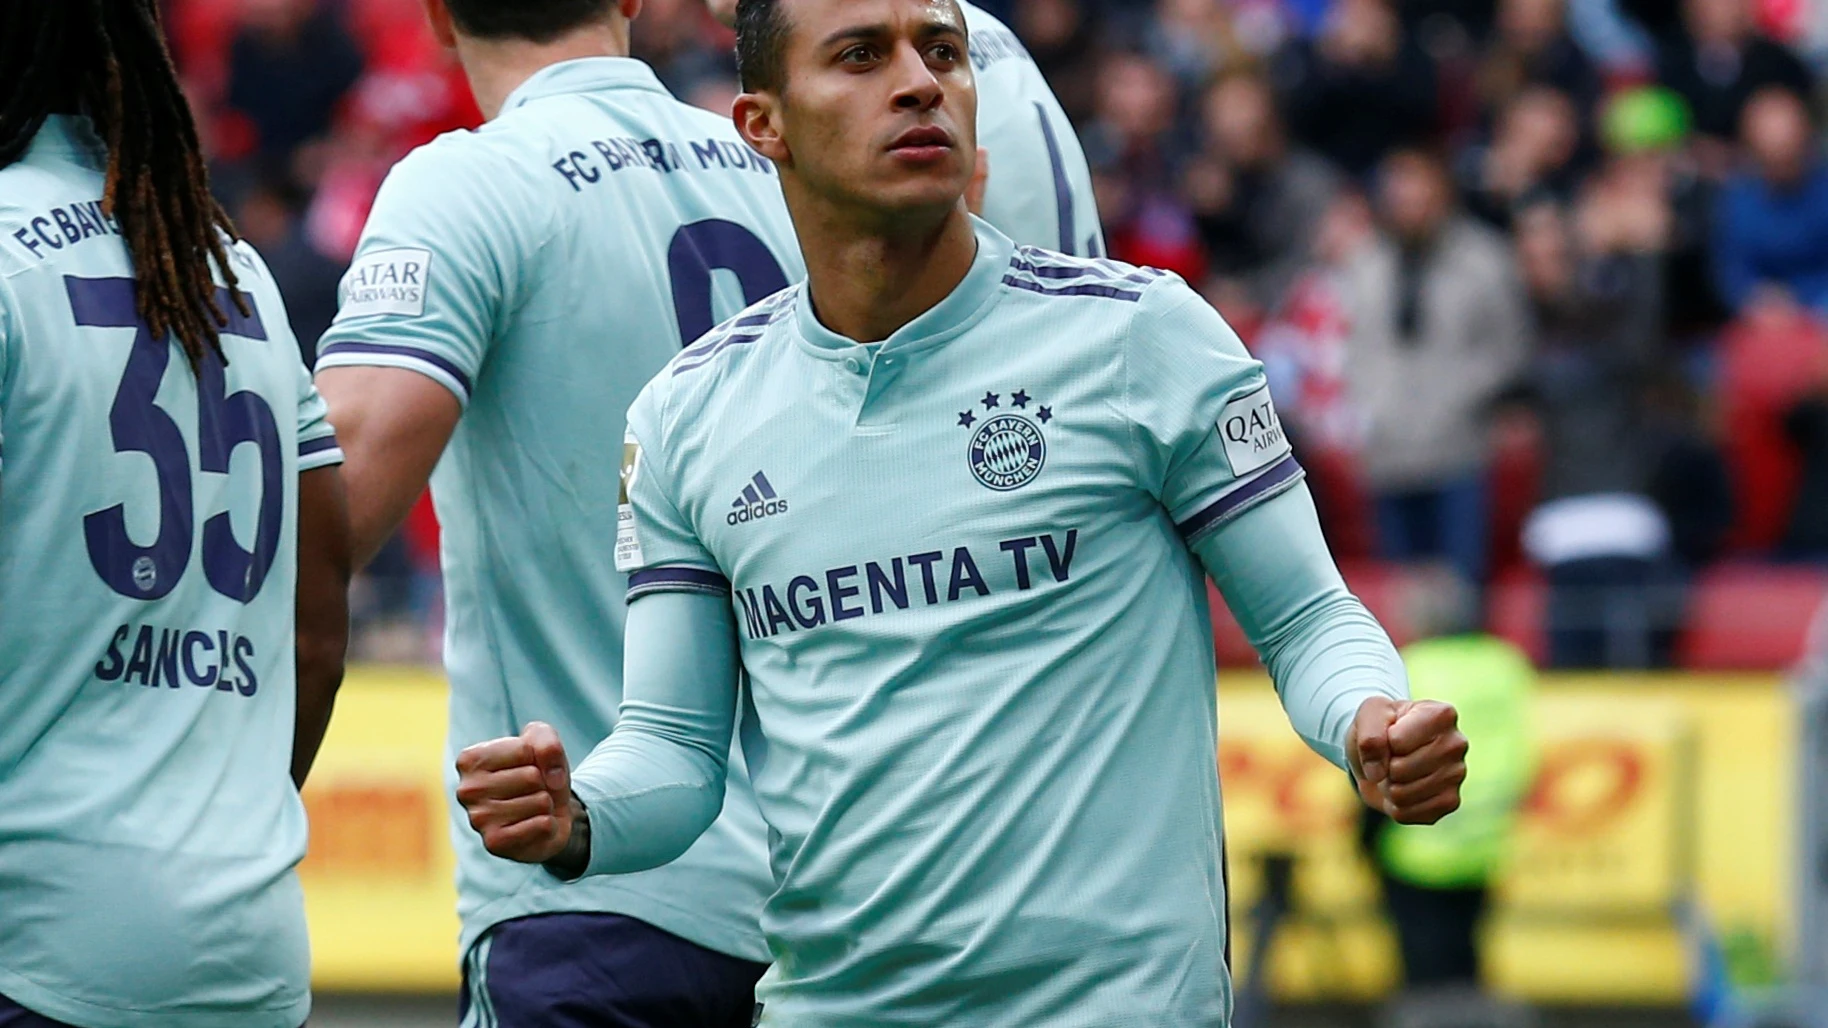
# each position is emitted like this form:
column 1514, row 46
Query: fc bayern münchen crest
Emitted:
column 1007, row 449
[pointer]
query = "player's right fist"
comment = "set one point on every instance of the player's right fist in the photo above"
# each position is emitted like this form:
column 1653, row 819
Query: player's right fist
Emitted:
column 518, row 794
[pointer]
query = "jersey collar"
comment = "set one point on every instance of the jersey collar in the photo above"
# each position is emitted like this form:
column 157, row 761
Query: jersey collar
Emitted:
column 70, row 134
column 961, row 308
column 585, row 75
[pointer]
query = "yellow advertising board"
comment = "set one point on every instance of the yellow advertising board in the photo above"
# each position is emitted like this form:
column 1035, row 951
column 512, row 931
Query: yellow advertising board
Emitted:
column 379, row 879
column 1651, row 790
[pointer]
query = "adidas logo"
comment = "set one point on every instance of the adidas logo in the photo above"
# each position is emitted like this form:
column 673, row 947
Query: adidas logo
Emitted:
column 758, row 501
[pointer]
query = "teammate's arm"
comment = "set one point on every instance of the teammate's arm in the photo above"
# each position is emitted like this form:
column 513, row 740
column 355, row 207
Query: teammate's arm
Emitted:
column 449, row 244
column 393, row 425
column 324, row 559
column 323, row 609
column 647, row 792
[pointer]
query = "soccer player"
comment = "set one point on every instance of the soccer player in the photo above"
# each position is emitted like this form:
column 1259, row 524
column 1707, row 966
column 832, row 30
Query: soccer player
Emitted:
column 513, row 291
column 1027, row 144
column 171, row 522
column 979, row 708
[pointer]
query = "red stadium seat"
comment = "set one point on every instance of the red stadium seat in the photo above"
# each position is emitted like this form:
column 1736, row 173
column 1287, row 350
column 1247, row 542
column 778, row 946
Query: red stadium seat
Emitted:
column 1751, row 617
column 1515, row 478
column 1767, row 364
column 1518, row 607
column 1228, row 641
column 1345, row 505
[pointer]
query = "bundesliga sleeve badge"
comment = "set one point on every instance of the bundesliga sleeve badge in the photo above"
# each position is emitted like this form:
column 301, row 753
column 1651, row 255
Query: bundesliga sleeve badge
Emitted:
column 628, row 542
column 1007, row 448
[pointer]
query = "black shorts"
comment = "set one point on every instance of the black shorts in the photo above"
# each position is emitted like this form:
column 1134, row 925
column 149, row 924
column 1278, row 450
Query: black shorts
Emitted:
column 601, row 971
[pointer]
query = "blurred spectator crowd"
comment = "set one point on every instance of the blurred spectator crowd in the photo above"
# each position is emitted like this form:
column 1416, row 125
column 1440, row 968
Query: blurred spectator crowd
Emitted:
column 1541, row 285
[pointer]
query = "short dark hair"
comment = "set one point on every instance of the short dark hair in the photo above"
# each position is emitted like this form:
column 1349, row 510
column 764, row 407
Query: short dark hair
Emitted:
column 539, row 21
column 761, row 45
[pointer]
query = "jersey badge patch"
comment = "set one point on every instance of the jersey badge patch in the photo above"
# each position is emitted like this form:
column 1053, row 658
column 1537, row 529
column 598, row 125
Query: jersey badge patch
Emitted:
column 1253, row 433
column 628, row 540
column 1008, row 448
column 387, row 282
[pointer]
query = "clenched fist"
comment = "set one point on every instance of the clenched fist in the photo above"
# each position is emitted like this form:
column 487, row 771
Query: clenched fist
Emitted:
column 518, row 794
column 1408, row 758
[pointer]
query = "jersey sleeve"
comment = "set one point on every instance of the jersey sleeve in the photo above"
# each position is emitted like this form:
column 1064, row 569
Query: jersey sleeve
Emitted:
column 444, row 256
column 1212, row 444
column 656, row 545
column 317, row 446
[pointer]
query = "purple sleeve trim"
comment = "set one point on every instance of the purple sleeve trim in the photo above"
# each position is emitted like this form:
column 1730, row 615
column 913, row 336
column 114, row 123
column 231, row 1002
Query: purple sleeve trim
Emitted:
column 1280, row 475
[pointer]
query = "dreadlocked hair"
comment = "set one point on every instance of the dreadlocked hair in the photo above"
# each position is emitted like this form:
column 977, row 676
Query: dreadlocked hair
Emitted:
column 108, row 59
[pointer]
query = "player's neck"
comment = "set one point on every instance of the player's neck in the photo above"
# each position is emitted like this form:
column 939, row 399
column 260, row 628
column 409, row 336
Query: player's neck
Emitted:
column 497, row 67
column 866, row 284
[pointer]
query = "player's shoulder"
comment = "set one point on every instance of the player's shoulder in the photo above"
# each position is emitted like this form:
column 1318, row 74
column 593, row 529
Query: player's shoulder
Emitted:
column 1050, row 274
column 41, row 202
column 697, row 119
column 460, row 160
column 463, row 191
column 482, row 173
column 720, row 358
column 250, row 269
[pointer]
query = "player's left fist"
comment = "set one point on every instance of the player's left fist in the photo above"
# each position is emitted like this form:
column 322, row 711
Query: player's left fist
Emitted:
column 517, row 792
column 1408, row 758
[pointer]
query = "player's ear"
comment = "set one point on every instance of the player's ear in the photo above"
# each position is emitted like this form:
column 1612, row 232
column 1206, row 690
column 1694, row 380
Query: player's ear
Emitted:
column 443, row 29
column 758, row 119
column 630, row 9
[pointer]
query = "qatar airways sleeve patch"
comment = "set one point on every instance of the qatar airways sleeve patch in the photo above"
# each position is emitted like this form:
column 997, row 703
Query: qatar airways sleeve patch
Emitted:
column 1252, row 432
column 390, row 282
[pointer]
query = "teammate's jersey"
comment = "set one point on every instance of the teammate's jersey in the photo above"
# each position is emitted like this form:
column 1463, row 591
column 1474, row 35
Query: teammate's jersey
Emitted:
column 544, row 268
column 977, row 641
column 148, row 569
column 1040, row 189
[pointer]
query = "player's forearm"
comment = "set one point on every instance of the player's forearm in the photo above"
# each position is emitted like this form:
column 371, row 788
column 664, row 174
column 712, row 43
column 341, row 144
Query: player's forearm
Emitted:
column 323, row 611
column 657, row 782
column 1324, row 650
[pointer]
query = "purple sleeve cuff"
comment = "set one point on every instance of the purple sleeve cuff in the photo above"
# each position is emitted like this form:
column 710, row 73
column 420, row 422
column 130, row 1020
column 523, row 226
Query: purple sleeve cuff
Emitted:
column 1278, row 477
column 677, row 580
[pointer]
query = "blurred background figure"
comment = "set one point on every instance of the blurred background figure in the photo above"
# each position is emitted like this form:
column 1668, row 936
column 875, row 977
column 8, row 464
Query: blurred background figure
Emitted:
column 1439, row 329
column 1596, row 288
column 1532, row 47
column 1717, row 61
column 1771, row 241
column 1257, row 198
column 1437, row 880
column 1133, row 144
column 1536, row 153
column 1061, row 37
column 290, row 65
column 1362, row 88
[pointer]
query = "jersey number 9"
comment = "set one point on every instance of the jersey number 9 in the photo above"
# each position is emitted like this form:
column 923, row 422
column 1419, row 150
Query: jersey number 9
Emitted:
column 702, row 247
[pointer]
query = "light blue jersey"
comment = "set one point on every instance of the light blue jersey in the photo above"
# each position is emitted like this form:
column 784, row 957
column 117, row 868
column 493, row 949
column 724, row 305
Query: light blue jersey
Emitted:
column 962, row 566
column 148, row 573
column 1040, row 189
column 544, row 268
